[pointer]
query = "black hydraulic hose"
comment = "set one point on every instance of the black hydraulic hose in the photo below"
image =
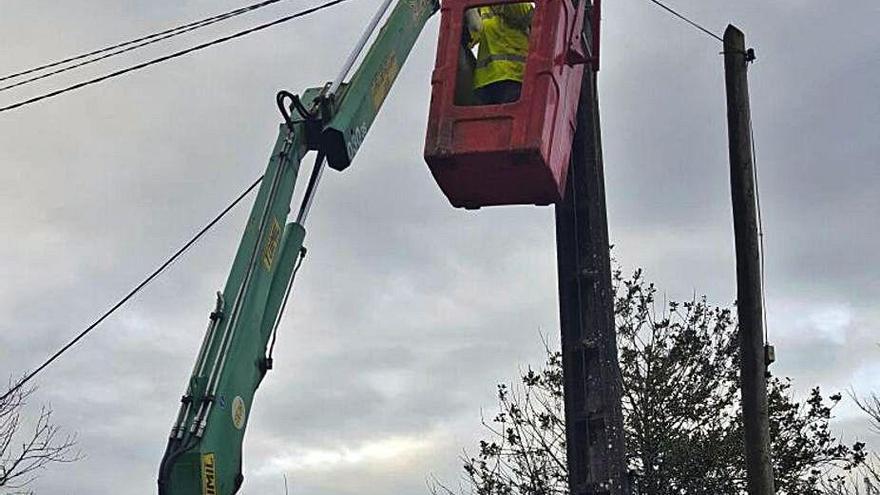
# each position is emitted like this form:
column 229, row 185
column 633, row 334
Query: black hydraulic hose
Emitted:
column 170, row 458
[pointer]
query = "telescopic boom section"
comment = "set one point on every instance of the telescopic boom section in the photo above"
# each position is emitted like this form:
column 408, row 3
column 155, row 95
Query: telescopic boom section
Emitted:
column 203, row 455
column 204, row 452
column 361, row 99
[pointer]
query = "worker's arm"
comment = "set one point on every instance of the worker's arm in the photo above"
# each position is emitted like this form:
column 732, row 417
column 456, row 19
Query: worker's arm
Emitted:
column 473, row 26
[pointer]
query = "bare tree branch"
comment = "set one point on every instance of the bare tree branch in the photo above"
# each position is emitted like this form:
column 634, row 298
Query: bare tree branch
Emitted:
column 24, row 454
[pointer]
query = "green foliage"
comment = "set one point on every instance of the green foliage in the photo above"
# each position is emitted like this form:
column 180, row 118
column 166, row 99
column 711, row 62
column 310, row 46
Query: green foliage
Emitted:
column 526, row 454
column 866, row 479
column 681, row 407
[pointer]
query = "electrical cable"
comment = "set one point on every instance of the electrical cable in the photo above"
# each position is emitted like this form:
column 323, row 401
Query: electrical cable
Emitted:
column 161, row 34
column 685, row 19
column 760, row 231
column 134, row 291
column 134, row 46
column 749, row 57
column 170, row 56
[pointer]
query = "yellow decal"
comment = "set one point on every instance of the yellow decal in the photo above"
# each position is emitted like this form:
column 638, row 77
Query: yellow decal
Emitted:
column 384, row 79
column 419, row 8
column 209, row 475
column 271, row 244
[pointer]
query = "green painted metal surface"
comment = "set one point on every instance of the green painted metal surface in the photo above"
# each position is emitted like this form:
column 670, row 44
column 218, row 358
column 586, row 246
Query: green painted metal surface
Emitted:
column 360, row 101
column 211, row 463
column 204, row 454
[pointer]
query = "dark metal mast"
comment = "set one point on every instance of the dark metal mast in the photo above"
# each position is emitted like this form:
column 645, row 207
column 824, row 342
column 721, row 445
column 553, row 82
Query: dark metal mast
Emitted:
column 591, row 372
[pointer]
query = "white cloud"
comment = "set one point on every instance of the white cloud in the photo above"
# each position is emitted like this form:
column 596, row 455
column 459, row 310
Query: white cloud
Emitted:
column 832, row 322
column 383, row 453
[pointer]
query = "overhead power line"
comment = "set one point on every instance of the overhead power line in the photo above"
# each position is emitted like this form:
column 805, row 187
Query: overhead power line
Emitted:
column 685, row 19
column 134, row 291
column 171, row 56
column 129, row 45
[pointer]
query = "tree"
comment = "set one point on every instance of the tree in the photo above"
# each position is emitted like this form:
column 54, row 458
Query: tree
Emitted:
column 681, row 413
column 870, row 405
column 29, row 445
column 866, row 479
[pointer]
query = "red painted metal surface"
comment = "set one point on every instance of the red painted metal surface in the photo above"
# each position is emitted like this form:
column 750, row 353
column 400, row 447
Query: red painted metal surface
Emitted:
column 597, row 30
column 513, row 153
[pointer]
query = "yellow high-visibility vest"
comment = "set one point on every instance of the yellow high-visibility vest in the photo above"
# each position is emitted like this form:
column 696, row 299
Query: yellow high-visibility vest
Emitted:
column 504, row 43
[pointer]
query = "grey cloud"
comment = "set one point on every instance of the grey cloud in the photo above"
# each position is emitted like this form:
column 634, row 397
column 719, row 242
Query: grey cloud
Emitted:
column 406, row 311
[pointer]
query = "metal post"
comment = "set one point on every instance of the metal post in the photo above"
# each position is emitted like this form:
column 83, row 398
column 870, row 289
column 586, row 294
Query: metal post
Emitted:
column 753, row 367
column 591, row 373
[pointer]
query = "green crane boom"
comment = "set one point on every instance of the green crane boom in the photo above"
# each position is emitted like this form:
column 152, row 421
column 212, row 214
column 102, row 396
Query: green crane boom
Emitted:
column 204, row 452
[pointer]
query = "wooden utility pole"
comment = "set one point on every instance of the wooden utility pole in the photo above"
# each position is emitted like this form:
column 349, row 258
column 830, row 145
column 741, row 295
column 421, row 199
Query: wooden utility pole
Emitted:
column 591, row 373
column 753, row 364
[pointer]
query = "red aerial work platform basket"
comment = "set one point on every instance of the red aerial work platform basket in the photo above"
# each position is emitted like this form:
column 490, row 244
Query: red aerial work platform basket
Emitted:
column 510, row 153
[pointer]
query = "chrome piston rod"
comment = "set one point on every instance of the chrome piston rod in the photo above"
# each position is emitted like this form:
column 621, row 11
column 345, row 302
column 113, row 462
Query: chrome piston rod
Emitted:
column 359, row 47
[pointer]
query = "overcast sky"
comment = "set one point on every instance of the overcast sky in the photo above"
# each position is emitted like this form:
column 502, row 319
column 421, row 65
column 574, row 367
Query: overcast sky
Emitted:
column 407, row 311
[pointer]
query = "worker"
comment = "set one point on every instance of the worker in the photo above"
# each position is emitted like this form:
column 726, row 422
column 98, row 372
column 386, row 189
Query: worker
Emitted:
column 502, row 33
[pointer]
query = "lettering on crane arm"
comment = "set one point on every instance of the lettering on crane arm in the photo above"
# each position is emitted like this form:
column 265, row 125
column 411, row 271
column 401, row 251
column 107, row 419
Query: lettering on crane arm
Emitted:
column 209, row 474
column 379, row 89
column 272, row 242
column 384, row 79
column 355, row 139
